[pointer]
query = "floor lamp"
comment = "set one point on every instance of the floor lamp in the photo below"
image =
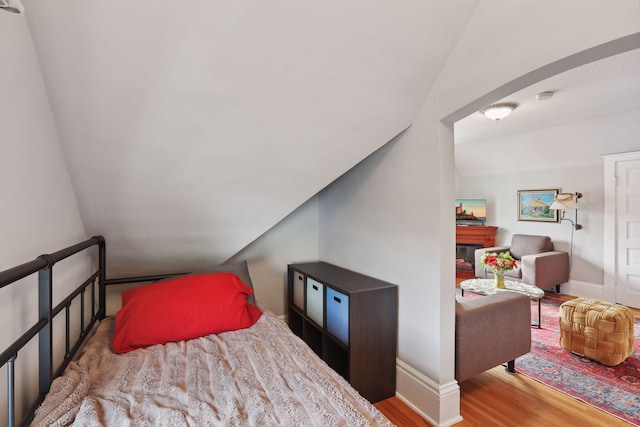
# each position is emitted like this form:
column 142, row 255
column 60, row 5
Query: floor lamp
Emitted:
column 563, row 202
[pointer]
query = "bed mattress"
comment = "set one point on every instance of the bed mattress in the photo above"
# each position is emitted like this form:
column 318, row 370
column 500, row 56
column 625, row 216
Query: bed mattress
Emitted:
column 260, row 376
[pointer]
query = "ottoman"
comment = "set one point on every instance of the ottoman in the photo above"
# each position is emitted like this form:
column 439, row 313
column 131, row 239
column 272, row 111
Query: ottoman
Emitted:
column 598, row 330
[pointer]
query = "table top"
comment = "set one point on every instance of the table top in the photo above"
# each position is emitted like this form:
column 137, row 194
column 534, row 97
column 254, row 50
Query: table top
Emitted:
column 488, row 287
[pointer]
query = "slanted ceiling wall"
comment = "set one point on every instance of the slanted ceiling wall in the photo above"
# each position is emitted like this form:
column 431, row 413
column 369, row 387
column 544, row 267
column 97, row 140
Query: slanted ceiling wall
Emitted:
column 190, row 130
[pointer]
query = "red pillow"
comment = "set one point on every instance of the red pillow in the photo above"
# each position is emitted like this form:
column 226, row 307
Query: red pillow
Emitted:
column 183, row 308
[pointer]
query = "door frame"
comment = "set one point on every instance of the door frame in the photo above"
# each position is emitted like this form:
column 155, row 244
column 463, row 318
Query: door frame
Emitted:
column 610, row 217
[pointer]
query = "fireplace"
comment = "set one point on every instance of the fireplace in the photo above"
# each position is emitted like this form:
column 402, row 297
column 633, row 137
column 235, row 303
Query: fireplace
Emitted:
column 465, row 256
column 468, row 239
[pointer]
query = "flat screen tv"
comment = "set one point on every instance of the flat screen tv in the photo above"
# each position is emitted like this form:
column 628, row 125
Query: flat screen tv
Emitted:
column 471, row 211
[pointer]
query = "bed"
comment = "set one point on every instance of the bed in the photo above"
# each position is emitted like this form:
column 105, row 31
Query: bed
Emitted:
column 252, row 372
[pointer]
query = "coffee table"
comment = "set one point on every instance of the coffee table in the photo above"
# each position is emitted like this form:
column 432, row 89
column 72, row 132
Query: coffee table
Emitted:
column 488, row 287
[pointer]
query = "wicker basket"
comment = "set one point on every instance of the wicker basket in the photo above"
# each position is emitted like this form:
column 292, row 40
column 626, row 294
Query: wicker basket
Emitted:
column 598, row 330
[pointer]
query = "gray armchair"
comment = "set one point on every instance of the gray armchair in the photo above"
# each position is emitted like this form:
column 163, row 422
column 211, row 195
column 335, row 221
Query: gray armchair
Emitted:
column 538, row 263
column 490, row 331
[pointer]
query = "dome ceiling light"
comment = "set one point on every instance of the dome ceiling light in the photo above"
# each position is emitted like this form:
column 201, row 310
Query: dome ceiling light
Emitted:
column 498, row 112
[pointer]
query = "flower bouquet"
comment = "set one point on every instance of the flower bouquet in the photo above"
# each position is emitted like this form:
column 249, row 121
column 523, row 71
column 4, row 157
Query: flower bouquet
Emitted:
column 499, row 263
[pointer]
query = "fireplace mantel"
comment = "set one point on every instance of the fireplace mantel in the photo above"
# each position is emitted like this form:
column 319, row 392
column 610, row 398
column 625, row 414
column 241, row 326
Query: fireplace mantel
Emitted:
column 484, row 235
column 474, row 235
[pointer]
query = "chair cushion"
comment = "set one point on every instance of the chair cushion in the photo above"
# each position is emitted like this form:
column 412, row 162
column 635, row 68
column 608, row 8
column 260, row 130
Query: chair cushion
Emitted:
column 516, row 273
column 526, row 244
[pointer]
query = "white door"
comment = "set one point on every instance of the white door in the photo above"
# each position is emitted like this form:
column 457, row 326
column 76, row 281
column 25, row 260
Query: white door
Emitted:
column 627, row 225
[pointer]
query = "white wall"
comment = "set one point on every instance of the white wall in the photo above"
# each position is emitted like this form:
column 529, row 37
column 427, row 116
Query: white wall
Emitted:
column 293, row 240
column 502, row 206
column 363, row 210
column 565, row 157
column 384, row 218
column 391, row 218
column 39, row 211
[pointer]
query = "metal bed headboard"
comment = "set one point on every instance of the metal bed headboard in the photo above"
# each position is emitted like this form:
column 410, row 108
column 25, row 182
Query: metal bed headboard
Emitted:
column 43, row 265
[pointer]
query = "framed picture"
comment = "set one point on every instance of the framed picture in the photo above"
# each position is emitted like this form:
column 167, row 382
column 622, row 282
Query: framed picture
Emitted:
column 471, row 211
column 533, row 205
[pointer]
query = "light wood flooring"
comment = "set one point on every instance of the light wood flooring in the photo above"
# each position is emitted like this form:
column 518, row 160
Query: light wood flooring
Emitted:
column 495, row 398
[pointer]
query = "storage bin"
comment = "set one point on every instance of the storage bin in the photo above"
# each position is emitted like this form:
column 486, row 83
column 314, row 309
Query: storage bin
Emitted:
column 360, row 332
column 315, row 301
column 298, row 290
column 338, row 315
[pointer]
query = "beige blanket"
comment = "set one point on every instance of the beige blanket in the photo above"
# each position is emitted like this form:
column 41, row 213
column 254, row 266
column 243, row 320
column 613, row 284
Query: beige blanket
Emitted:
column 260, row 376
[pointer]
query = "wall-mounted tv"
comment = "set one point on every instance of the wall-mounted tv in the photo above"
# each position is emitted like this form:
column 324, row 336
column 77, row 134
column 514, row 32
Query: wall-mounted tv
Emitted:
column 471, row 211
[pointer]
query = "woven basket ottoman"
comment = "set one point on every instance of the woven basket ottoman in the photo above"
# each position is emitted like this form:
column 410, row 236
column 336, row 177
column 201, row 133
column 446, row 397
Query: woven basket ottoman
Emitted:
column 598, row 330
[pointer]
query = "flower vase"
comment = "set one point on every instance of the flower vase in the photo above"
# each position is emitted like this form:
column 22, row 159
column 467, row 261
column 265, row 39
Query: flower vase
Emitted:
column 499, row 275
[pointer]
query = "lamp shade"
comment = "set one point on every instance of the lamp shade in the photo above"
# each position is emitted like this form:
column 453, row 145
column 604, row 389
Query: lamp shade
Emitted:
column 564, row 201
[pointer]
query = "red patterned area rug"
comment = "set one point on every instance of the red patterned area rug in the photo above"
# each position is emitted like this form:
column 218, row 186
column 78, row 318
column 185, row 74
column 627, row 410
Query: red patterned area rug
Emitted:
column 613, row 389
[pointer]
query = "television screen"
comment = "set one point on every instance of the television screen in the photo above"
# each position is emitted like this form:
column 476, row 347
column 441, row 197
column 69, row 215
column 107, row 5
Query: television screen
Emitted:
column 471, row 211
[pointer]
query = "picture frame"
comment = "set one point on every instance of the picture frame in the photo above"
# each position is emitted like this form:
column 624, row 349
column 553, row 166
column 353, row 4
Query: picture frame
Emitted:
column 533, row 205
column 471, row 211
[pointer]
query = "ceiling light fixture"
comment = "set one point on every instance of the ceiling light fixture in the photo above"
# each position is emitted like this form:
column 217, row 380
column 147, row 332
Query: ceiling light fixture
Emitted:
column 498, row 112
column 14, row 6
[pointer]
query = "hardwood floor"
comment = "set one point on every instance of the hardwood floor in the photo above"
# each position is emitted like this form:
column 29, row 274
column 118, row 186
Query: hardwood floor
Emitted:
column 400, row 414
column 495, row 398
column 498, row 399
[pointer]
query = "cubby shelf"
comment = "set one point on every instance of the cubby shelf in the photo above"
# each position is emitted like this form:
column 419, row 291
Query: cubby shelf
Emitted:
column 350, row 320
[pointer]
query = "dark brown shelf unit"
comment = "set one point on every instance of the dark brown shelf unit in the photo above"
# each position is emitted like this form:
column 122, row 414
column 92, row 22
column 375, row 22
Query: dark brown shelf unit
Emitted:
column 355, row 327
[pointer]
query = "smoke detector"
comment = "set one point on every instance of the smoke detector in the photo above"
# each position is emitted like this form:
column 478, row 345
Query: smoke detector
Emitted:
column 542, row 96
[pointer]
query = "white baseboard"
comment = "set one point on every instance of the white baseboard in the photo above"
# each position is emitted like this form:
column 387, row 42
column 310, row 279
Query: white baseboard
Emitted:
column 438, row 404
column 588, row 290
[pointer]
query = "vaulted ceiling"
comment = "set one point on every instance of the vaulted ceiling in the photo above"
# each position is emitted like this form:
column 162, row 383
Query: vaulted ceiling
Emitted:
column 203, row 124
